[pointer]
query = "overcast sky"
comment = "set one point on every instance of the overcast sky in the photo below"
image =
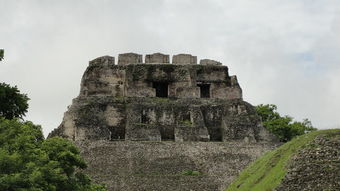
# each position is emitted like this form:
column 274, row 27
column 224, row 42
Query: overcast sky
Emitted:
column 284, row 52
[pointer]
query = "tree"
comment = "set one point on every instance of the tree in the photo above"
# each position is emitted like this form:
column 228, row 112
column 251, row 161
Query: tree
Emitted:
column 285, row 128
column 29, row 162
column 2, row 54
column 12, row 103
column 267, row 112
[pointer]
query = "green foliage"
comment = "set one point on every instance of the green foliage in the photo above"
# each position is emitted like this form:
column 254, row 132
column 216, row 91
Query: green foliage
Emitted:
column 283, row 127
column 161, row 100
column 267, row 112
column 28, row 162
column 2, row 52
column 12, row 103
column 267, row 172
column 186, row 123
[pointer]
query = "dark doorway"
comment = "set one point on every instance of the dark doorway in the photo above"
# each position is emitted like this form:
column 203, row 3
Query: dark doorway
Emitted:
column 215, row 133
column 117, row 133
column 186, row 116
column 205, row 90
column 212, row 117
column 167, row 133
column 161, row 88
column 144, row 117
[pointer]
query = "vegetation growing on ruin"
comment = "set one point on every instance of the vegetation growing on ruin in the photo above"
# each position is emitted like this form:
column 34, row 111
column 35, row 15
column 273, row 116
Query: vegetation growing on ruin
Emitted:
column 285, row 128
column 161, row 100
column 267, row 172
column 185, row 123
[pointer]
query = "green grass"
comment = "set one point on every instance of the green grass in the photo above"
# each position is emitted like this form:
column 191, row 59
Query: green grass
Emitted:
column 186, row 123
column 267, row 172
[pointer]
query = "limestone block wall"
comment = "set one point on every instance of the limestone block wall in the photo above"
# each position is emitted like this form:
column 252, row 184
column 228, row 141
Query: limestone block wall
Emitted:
column 140, row 91
column 210, row 62
column 156, row 58
column 224, row 92
column 150, row 119
column 184, row 59
column 132, row 78
column 130, row 58
column 187, row 92
column 210, row 73
column 155, row 123
column 103, row 80
column 103, row 61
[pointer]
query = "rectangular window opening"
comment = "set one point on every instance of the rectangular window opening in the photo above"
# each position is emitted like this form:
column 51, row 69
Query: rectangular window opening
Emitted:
column 117, row 133
column 185, row 119
column 161, row 88
column 186, row 116
column 205, row 90
column 215, row 133
column 167, row 133
column 144, row 117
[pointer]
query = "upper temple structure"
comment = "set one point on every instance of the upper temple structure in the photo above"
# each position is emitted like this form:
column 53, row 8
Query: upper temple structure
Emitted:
column 157, row 100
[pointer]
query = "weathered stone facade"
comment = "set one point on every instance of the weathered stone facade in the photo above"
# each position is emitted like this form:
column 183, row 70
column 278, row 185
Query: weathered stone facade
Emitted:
column 166, row 165
column 158, row 100
column 143, row 126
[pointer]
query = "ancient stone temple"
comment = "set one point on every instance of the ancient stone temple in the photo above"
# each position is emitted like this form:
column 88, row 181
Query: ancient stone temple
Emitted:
column 156, row 100
column 149, row 125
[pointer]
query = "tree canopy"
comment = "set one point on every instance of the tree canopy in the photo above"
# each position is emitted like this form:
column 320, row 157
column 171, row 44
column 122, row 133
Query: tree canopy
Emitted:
column 28, row 162
column 13, row 104
column 285, row 128
column 2, row 54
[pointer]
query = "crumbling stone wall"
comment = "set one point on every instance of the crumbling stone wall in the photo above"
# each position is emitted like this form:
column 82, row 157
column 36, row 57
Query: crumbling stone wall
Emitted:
column 158, row 100
column 132, row 78
column 154, row 165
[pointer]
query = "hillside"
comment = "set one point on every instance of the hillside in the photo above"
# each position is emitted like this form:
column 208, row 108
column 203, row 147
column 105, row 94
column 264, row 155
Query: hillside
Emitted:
column 309, row 162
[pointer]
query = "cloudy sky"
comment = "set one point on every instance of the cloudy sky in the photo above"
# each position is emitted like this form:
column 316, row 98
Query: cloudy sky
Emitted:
column 284, row 52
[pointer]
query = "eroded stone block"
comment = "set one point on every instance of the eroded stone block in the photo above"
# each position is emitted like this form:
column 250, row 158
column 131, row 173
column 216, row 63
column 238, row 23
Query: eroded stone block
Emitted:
column 210, row 62
column 187, row 92
column 137, row 91
column 130, row 58
column 103, row 61
column 156, row 58
column 183, row 59
column 228, row 93
column 233, row 80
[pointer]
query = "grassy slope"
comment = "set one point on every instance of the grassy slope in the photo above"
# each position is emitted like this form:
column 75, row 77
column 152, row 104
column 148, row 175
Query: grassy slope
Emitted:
column 266, row 173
